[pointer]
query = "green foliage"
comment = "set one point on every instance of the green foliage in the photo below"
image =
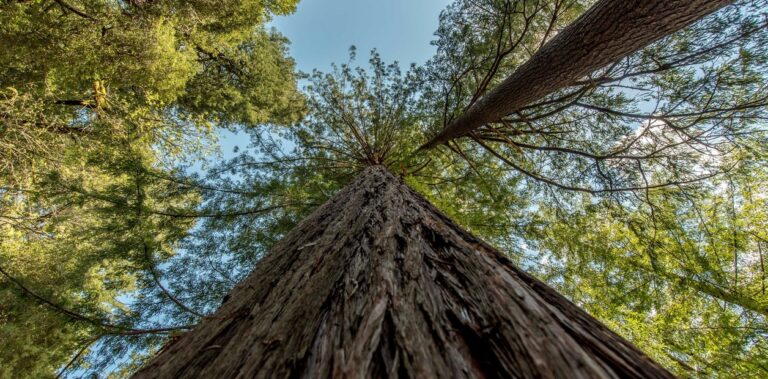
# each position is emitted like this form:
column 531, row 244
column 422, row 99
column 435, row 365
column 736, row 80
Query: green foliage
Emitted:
column 638, row 192
column 682, row 276
column 359, row 117
column 101, row 105
column 160, row 71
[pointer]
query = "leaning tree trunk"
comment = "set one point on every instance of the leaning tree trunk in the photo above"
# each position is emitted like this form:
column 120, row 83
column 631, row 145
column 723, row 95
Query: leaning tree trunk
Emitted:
column 607, row 32
column 379, row 283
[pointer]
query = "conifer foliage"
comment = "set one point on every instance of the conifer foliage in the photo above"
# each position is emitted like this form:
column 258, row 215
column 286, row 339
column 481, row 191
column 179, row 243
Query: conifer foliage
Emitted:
column 635, row 190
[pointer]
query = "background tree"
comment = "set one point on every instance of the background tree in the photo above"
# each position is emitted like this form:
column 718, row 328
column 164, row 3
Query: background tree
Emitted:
column 668, row 108
column 102, row 104
column 607, row 32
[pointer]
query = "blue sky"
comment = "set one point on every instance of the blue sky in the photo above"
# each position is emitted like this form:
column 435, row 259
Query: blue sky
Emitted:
column 321, row 31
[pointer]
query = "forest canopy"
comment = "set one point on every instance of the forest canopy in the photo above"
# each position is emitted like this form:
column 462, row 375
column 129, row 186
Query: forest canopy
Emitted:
column 638, row 192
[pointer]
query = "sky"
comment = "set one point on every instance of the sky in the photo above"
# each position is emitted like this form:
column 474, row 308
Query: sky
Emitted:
column 321, row 31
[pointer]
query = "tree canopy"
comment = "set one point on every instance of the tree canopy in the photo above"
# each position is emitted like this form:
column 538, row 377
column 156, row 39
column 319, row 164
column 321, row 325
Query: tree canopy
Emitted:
column 638, row 192
column 101, row 104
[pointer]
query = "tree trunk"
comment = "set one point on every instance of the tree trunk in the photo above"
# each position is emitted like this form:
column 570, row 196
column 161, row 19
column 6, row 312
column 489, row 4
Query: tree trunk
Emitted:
column 379, row 283
column 608, row 31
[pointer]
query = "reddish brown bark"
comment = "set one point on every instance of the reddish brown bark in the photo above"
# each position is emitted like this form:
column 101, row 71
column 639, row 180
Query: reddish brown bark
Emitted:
column 608, row 31
column 378, row 283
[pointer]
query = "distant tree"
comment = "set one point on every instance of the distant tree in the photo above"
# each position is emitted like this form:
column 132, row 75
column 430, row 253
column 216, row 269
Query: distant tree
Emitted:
column 160, row 71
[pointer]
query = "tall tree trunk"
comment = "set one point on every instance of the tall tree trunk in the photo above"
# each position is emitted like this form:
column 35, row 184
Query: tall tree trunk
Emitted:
column 378, row 283
column 608, row 31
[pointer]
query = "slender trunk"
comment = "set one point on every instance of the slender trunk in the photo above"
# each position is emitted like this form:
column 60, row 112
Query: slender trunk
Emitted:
column 378, row 283
column 608, row 31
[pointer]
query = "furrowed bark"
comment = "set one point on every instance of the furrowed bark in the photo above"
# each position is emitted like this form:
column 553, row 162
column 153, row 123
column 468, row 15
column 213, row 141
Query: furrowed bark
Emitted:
column 608, row 31
column 378, row 283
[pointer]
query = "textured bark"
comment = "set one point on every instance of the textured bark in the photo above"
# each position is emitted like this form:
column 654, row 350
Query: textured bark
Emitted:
column 608, row 31
column 378, row 283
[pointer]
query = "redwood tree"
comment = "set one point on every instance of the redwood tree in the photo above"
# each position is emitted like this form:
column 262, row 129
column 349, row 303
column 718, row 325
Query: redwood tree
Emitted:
column 379, row 283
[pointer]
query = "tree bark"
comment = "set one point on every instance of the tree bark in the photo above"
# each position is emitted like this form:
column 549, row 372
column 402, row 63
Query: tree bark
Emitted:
column 379, row 283
column 608, row 31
